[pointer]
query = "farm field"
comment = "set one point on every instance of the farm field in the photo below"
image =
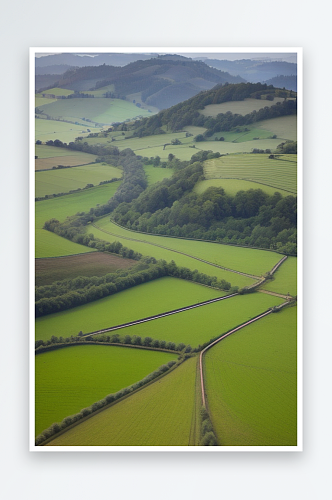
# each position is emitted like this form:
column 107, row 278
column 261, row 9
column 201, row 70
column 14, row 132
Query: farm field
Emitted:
column 63, row 180
column 239, row 107
column 90, row 264
column 284, row 127
column 224, row 147
column 156, row 174
column 246, row 260
column 158, row 415
column 43, row 152
column 51, row 245
column 56, row 91
column 151, row 250
column 100, row 110
column 200, row 325
column 251, row 383
column 147, row 299
column 278, row 173
column 285, row 278
column 46, row 130
column 233, row 186
column 72, row 378
column 40, row 101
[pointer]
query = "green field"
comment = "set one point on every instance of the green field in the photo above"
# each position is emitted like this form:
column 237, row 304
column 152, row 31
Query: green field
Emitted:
column 158, row 415
column 246, row 260
column 285, row 278
column 233, row 186
column 72, row 378
column 51, row 245
column 100, row 110
column 280, row 173
column 251, row 383
column 88, row 264
column 202, row 324
column 56, row 91
column 156, row 174
column 239, row 107
column 43, row 151
column 40, row 101
column 47, row 130
column 147, row 299
column 66, row 179
column 284, row 127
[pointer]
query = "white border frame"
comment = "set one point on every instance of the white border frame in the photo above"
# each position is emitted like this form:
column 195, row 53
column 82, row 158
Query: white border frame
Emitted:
column 165, row 50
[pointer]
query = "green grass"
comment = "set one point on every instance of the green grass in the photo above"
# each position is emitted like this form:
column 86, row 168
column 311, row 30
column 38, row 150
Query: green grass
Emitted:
column 72, row 378
column 63, row 180
column 284, row 127
column 247, row 260
column 232, row 186
column 278, row 173
column 147, row 299
column 51, row 245
column 101, row 91
column 89, row 264
column 200, row 325
column 251, row 383
column 43, row 151
column 158, row 415
column 239, row 107
column 40, row 101
column 224, row 147
column 285, row 278
column 46, row 130
column 56, row 91
column 101, row 110
column 156, row 174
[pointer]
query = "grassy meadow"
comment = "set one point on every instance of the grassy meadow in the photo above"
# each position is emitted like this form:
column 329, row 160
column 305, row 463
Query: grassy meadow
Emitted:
column 246, row 260
column 280, row 173
column 285, row 278
column 239, row 107
column 200, row 325
column 156, row 174
column 46, row 130
column 66, row 179
column 160, row 414
column 147, row 299
column 51, row 245
column 72, row 378
column 251, row 383
column 233, row 186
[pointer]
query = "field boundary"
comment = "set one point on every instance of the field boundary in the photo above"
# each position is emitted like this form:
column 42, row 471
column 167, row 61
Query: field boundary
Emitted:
column 255, row 182
column 55, row 347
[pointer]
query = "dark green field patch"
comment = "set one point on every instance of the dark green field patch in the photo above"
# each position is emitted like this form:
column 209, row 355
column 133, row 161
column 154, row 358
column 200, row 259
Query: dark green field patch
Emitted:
column 53, row 269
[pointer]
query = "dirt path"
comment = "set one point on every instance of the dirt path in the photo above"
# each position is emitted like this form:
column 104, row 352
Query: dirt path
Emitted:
column 287, row 297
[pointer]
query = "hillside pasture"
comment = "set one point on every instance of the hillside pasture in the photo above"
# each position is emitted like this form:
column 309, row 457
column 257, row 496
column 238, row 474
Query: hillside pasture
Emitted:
column 200, row 325
column 224, row 147
column 156, row 174
column 233, row 186
column 45, row 152
column 278, row 173
column 251, row 383
column 63, row 180
column 284, row 127
column 72, row 378
column 246, row 260
column 147, row 299
column 51, row 245
column 56, row 91
column 160, row 414
column 285, row 278
column 239, row 107
column 40, row 101
column 46, row 130
column 53, row 269
column 99, row 110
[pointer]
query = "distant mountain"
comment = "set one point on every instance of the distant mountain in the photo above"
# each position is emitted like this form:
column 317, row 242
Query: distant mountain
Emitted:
column 287, row 82
column 89, row 60
column 161, row 82
column 253, row 70
column 55, row 69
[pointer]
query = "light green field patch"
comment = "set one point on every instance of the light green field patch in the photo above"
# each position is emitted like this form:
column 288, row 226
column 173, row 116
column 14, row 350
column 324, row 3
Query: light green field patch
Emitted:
column 200, row 325
column 224, row 147
column 100, row 92
column 279, row 173
column 147, row 249
column 183, row 153
column 101, row 110
column 72, row 378
column 246, row 260
column 156, row 174
column 57, row 91
column 284, row 127
column 158, row 415
column 192, row 129
column 251, row 383
column 232, row 186
column 285, row 278
column 51, row 129
column 51, row 245
column 239, row 107
column 64, row 180
column 147, row 299
column 43, row 151
column 40, row 101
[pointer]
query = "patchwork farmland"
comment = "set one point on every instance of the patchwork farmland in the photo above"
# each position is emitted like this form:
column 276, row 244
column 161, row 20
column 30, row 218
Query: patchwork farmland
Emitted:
column 194, row 236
